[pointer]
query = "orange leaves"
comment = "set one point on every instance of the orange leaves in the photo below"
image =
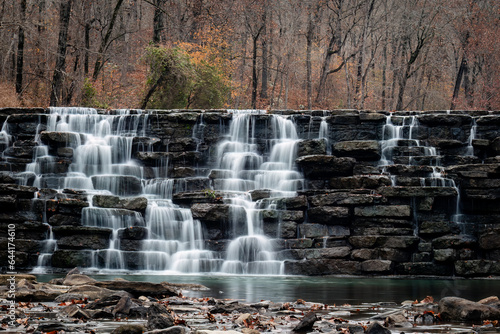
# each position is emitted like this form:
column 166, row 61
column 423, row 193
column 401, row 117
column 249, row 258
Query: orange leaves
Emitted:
column 210, row 317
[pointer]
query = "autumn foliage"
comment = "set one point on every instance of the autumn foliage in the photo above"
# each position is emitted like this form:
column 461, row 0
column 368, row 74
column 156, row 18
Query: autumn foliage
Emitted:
column 322, row 54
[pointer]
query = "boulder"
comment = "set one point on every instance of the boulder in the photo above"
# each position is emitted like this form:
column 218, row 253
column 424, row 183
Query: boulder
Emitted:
column 368, row 150
column 460, row 309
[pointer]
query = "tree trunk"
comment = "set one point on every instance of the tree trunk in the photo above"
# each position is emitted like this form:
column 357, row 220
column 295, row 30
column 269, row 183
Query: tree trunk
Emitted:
column 402, row 86
column 99, row 63
column 361, row 73
column 64, row 15
column 309, row 37
column 265, row 65
column 158, row 35
column 458, row 81
column 20, row 50
column 325, row 68
column 254, row 72
column 87, row 49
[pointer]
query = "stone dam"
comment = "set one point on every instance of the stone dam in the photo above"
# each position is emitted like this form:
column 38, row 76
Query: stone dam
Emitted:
column 337, row 192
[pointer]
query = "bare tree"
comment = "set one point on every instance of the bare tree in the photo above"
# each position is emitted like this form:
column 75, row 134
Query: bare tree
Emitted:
column 62, row 45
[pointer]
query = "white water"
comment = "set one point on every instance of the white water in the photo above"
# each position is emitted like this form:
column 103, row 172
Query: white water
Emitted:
column 102, row 164
column 244, row 169
column 395, row 136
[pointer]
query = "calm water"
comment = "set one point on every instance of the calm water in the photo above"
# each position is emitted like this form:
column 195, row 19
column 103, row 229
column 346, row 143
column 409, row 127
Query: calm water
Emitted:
column 329, row 290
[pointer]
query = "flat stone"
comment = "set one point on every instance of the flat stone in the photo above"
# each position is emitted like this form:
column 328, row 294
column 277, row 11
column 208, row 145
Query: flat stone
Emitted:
column 210, row 212
column 444, row 255
column 328, row 214
column 454, row 241
column 325, row 166
column 129, row 203
column 311, row 147
column 376, row 266
column 490, row 239
column 418, row 192
column 383, row 211
column 368, row 150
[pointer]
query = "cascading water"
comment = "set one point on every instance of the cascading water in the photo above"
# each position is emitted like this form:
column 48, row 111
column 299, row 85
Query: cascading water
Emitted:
column 399, row 142
column 101, row 148
column 102, row 164
column 243, row 169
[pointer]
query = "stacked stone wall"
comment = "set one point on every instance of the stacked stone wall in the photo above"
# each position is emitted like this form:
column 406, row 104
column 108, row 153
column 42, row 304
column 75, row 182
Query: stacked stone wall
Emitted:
column 350, row 218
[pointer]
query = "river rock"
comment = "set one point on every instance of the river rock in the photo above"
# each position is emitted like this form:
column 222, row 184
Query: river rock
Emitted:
column 306, row 323
column 376, row 328
column 75, row 311
column 174, row 330
column 159, row 317
column 359, row 149
column 93, row 292
column 129, row 329
column 460, row 309
column 78, row 279
column 138, row 289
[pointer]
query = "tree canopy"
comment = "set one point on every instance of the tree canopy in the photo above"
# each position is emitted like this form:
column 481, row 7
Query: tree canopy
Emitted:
column 323, row 54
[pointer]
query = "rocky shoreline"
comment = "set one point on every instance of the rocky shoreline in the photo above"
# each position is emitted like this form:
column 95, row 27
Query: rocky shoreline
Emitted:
column 80, row 304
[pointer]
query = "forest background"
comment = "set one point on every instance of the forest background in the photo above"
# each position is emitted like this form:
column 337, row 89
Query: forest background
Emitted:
column 279, row 54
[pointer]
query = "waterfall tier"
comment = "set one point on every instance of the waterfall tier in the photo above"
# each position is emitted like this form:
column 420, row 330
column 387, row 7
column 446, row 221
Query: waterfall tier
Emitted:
column 252, row 192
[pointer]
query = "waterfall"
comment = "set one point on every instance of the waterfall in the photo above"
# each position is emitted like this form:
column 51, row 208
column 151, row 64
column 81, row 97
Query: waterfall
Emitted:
column 400, row 145
column 102, row 164
column 244, row 168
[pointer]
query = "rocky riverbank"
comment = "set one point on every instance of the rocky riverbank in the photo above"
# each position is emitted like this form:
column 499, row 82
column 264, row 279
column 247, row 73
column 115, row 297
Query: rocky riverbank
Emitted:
column 80, row 304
